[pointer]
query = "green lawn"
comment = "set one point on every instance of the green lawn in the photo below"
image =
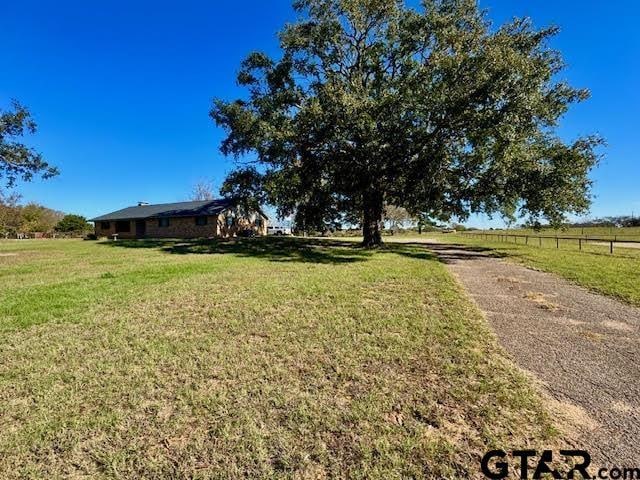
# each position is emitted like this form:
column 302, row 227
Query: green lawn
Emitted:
column 258, row 358
column 617, row 275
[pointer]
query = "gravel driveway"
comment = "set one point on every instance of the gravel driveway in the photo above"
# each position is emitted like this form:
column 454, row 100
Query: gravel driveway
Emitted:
column 582, row 346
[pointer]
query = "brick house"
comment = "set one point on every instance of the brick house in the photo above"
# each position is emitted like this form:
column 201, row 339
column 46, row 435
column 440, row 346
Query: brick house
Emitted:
column 197, row 219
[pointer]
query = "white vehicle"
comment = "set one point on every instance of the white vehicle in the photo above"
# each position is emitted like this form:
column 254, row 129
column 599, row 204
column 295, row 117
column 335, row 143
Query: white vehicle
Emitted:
column 278, row 230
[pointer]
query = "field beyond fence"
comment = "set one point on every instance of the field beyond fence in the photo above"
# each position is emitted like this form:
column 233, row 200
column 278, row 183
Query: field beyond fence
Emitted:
column 581, row 242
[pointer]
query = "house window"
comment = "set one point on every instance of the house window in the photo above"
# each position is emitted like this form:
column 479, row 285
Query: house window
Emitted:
column 123, row 226
column 201, row 221
column 258, row 221
column 105, row 225
column 163, row 222
column 229, row 220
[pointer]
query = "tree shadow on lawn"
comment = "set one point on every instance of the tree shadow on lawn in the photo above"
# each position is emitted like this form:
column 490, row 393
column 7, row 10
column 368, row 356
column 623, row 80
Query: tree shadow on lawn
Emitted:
column 279, row 249
column 275, row 249
column 449, row 252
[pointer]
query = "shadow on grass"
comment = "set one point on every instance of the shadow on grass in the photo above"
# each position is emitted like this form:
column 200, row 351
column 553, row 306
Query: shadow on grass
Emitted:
column 450, row 252
column 280, row 249
column 274, row 249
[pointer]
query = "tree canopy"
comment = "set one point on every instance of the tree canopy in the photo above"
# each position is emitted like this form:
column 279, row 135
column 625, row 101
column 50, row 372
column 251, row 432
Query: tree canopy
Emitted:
column 29, row 218
column 434, row 110
column 71, row 223
column 17, row 160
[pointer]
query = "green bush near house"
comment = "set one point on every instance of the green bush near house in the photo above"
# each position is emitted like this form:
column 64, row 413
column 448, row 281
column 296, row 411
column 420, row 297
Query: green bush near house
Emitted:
column 73, row 224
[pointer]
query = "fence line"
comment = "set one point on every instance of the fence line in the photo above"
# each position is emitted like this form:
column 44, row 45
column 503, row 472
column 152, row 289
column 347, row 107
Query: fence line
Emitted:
column 504, row 237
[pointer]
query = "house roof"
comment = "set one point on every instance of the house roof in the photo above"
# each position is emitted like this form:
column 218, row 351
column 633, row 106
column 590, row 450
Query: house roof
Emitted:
column 180, row 209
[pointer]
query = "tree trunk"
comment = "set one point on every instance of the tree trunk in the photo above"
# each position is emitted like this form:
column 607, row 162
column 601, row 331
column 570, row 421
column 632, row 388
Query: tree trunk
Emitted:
column 372, row 220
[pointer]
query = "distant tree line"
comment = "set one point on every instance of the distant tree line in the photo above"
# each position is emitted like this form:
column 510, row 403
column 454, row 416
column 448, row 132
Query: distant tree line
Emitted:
column 622, row 221
column 613, row 221
column 17, row 220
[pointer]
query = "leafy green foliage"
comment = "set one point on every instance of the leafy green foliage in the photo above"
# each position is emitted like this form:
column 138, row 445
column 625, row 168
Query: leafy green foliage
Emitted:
column 245, row 185
column 73, row 223
column 29, row 218
column 434, row 111
column 9, row 213
column 18, row 161
column 37, row 218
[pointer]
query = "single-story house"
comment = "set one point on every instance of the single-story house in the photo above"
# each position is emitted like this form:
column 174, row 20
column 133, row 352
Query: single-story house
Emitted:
column 197, row 219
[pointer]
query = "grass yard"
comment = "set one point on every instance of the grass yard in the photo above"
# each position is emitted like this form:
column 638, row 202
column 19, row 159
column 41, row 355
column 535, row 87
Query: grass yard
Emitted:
column 258, row 358
column 617, row 275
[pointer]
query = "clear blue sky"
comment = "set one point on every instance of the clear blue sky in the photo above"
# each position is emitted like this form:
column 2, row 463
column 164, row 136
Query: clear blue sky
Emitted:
column 121, row 90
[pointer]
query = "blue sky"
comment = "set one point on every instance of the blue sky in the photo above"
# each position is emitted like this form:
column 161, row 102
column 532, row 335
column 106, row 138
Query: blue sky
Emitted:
column 121, row 90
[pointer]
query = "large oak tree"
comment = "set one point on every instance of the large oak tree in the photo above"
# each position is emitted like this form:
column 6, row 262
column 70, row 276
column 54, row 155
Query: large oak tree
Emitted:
column 432, row 110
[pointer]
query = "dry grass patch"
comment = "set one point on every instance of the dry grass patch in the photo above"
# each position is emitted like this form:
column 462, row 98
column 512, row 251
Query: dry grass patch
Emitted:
column 541, row 300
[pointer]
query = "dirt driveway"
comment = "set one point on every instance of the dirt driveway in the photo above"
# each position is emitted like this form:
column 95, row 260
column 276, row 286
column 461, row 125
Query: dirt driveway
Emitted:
column 582, row 346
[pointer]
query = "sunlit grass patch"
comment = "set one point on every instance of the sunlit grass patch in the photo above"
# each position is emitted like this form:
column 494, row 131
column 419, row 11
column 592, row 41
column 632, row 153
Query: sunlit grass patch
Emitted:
column 257, row 358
